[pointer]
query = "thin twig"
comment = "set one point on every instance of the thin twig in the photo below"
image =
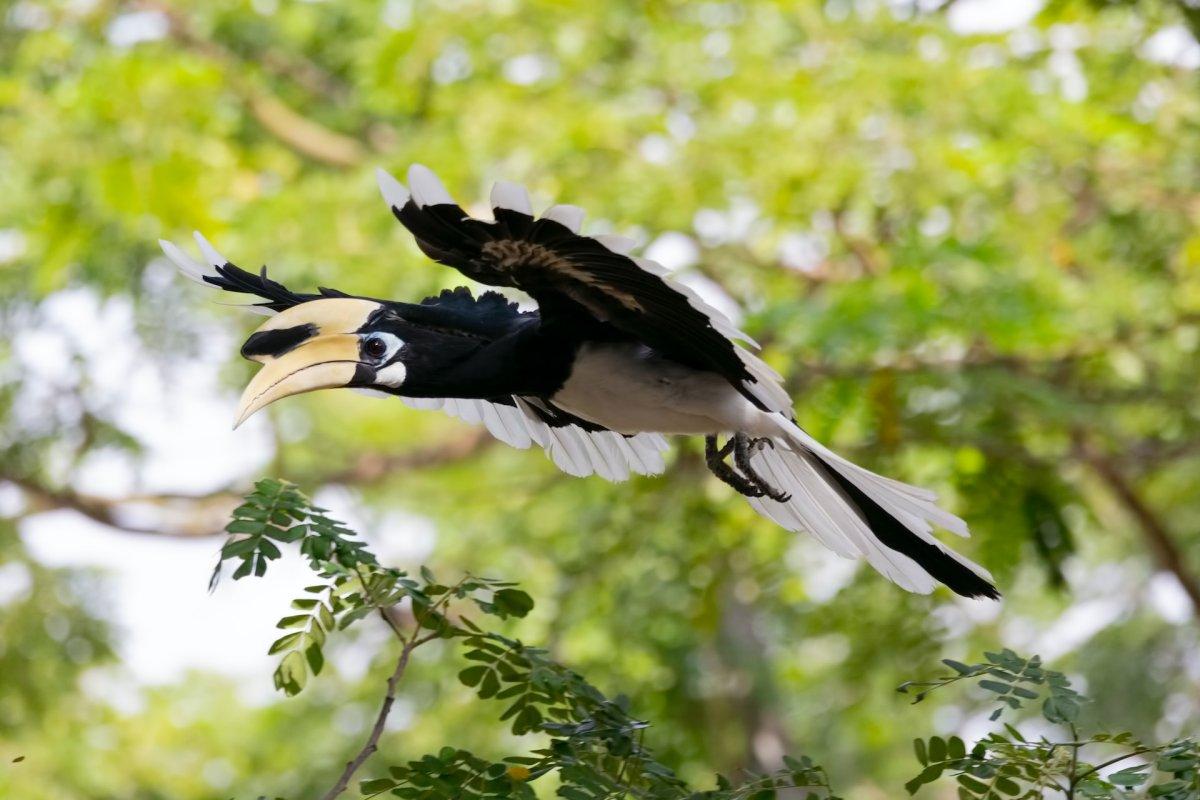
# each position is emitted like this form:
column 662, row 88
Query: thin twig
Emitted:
column 1110, row 762
column 391, row 623
column 462, row 788
column 441, row 602
column 372, row 743
column 1074, row 779
column 411, row 642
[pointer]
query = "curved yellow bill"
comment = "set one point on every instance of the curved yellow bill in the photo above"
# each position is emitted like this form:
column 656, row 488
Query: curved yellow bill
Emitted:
column 323, row 362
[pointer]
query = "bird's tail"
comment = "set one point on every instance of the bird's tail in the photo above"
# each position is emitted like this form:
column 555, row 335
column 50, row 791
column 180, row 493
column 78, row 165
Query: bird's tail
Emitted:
column 859, row 514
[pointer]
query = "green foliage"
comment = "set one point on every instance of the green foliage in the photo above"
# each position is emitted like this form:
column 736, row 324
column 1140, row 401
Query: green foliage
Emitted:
column 50, row 633
column 1014, row 680
column 974, row 258
column 594, row 746
column 276, row 512
column 1007, row 764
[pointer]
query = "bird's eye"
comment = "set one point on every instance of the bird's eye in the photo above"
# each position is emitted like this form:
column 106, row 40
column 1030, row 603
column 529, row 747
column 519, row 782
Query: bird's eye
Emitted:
column 375, row 347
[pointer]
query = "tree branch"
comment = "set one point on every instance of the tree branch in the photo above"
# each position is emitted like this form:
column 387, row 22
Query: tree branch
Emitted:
column 1154, row 530
column 981, row 356
column 410, row 642
column 303, row 134
column 1191, row 16
column 372, row 467
column 204, row 514
column 372, row 743
column 287, row 65
column 109, row 511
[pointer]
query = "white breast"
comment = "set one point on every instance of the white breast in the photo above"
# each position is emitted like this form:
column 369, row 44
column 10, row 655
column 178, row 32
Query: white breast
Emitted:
column 629, row 389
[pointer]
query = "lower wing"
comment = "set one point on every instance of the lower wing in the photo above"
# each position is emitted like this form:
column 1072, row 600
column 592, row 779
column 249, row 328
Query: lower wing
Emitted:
column 572, row 448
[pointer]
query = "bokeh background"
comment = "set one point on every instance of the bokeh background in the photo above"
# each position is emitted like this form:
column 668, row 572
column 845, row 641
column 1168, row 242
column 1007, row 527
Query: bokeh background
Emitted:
column 965, row 232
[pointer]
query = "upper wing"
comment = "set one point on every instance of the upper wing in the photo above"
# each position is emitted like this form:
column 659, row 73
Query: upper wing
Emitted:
column 579, row 276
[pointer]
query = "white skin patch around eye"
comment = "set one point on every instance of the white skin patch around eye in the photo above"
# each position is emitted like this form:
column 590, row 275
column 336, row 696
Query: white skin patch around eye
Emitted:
column 393, row 374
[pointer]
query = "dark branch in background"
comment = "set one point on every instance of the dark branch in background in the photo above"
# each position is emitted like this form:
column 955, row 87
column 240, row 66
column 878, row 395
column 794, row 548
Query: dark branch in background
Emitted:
column 106, row 511
column 302, row 134
column 205, row 514
column 1191, row 16
column 289, row 66
column 980, row 356
column 373, row 467
column 755, row 702
column 1154, row 530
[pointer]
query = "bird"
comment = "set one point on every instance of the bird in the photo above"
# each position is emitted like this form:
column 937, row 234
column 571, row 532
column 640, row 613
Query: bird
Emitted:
column 616, row 357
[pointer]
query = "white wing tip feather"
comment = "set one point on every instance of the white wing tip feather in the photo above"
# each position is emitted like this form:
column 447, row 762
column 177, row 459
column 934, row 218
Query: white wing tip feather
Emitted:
column 427, row 189
column 423, row 403
column 394, row 193
column 655, row 268
column 569, row 216
column 511, row 196
column 253, row 308
column 621, row 245
column 193, row 270
column 210, row 252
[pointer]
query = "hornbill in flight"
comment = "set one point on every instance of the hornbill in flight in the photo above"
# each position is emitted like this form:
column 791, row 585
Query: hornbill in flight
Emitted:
column 616, row 355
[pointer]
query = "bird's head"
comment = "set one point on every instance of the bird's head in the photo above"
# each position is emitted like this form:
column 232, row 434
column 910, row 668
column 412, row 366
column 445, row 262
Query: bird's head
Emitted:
column 324, row 344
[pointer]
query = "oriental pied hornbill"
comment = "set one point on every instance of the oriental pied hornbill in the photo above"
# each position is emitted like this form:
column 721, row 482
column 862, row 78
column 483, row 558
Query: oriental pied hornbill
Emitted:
column 615, row 356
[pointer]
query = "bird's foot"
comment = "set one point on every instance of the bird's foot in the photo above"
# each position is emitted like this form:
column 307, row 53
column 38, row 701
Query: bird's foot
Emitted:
column 748, row 482
column 715, row 456
column 743, row 448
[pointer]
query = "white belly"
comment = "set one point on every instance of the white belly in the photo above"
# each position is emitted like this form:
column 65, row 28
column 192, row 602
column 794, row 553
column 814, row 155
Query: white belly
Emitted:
column 628, row 389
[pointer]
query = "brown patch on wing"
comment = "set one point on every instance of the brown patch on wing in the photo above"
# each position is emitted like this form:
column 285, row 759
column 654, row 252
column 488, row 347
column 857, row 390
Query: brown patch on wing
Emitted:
column 509, row 255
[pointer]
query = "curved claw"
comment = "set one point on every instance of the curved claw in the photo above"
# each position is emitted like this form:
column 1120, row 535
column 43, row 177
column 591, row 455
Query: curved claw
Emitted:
column 744, row 447
column 744, row 479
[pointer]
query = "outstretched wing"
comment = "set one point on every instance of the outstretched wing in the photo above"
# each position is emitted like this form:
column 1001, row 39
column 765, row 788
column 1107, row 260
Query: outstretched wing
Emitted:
column 577, row 447
column 579, row 277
